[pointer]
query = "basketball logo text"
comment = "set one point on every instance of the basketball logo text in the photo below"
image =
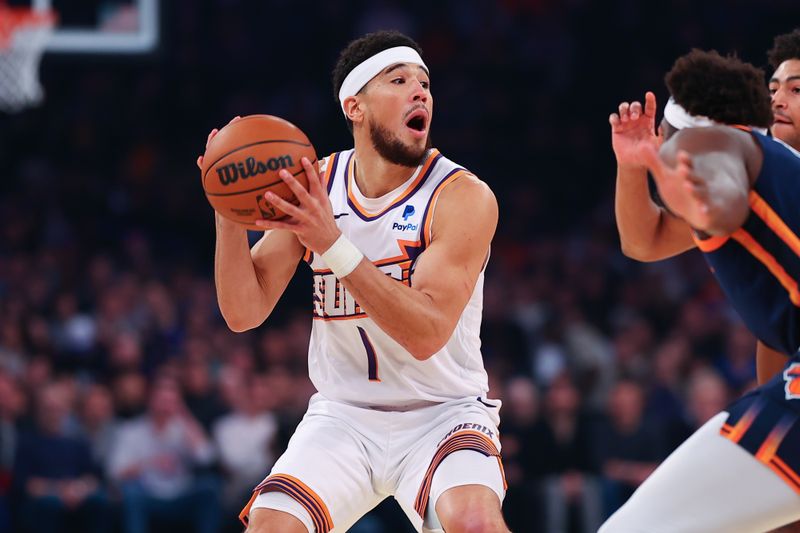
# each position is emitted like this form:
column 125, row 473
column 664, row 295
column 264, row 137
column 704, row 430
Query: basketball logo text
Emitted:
column 462, row 427
column 405, row 227
column 250, row 167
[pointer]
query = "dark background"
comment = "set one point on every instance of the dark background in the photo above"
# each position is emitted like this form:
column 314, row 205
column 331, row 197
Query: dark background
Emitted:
column 101, row 201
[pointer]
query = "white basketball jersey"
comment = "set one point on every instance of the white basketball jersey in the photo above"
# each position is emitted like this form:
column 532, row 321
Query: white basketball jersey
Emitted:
column 350, row 358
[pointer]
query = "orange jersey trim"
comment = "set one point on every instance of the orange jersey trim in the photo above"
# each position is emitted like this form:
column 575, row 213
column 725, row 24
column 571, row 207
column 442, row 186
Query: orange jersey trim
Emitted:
column 766, row 452
column 298, row 491
column 463, row 440
column 788, row 475
column 348, row 317
column 769, row 261
column 403, row 196
column 427, row 224
column 736, row 432
column 765, row 212
column 330, row 165
column 711, row 244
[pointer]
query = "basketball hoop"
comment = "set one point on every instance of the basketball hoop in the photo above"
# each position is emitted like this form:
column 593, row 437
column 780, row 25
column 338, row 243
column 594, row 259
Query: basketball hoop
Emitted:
column 23, row 34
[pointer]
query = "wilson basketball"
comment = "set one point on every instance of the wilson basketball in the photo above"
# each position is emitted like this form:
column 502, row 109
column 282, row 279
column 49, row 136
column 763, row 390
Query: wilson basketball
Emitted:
column 242, row 162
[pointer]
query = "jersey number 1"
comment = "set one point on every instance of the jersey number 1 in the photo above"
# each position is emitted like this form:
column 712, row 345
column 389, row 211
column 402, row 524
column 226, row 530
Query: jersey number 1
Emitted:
column 372, row 359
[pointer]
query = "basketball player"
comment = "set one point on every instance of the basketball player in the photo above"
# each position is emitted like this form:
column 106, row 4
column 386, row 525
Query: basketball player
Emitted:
column 784, row 87
column 648, row 231
column 738, row 191
column 398, row 237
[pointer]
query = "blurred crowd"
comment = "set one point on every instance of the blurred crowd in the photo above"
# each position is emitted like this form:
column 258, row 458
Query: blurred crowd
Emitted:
column 125, row 401
column 126, row 405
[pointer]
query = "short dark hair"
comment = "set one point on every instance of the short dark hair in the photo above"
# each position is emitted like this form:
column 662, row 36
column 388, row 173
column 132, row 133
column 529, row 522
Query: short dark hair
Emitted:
column 362, row 49
column 724, row 89
column 784, row 48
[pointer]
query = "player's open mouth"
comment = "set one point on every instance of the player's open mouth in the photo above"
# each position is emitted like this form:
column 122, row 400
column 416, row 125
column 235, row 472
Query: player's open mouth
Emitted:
column 417, row 122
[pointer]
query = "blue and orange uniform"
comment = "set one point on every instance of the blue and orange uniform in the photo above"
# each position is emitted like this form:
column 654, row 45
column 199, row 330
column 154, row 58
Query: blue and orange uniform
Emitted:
column 758, row 268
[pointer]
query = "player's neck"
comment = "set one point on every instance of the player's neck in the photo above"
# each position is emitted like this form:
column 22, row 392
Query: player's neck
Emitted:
column 375, row 176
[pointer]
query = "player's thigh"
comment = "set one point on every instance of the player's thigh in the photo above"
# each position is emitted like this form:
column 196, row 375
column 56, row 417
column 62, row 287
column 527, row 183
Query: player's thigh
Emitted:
column 264, row 520
column 467, row 491
column 710, row 485
column 323, row 478
column 461, row 450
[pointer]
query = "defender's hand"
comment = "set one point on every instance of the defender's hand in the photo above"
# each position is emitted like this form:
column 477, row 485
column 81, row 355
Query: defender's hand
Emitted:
column 312, row 219
column 631, row 128
column 684, row 193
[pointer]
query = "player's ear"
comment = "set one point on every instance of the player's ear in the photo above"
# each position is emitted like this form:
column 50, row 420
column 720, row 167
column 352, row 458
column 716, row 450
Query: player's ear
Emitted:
column 353, row 109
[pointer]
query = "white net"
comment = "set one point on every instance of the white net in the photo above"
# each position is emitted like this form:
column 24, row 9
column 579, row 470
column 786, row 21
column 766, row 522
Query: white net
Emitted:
column 22, row 44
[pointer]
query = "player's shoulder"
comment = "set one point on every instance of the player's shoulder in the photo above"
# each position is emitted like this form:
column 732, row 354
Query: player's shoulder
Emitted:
column 327, row 161
column 463, row 184
column 711, row 135
column 469, row 186
column 468, row 196
column 729, row 139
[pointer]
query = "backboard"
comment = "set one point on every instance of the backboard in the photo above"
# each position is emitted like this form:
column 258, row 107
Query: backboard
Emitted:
column 103, row 26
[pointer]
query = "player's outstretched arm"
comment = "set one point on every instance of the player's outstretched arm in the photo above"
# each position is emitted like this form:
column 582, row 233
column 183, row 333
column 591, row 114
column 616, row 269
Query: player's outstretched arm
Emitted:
column 647, row 231
column 703, row 176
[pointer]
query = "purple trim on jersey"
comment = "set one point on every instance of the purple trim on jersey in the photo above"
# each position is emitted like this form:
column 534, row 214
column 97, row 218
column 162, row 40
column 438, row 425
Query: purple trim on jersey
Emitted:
column 297, row 493
column 372, row 359
column 334, row 163
column 398, row 202
column 430, row 200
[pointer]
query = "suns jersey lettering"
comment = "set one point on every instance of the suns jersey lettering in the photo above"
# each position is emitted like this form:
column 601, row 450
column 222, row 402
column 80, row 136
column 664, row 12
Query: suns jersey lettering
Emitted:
column 350, row 358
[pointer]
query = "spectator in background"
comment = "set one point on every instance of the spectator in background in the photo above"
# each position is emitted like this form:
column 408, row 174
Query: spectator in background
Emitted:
column 12, row 405
column 629, row 447
column 200, row 394
column 12, row 359
column 565, row 462
column 98, row 423
column 73, row 333
column 153, row 459
column 521, row 411
column 245, row 440
column 54, row 472
column 706, row 395
column 670, row 368
column 125, row 352
column 130, row 395
column 737, row 365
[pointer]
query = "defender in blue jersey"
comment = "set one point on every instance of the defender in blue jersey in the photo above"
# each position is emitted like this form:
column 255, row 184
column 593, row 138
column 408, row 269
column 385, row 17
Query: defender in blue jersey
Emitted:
column 739, row 191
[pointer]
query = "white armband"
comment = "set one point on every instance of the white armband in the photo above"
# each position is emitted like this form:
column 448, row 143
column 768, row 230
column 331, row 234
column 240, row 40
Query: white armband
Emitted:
column 342, row 257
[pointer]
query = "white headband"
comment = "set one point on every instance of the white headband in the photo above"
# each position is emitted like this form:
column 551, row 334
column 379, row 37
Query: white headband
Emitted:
column 369, row 68
column 678, row 117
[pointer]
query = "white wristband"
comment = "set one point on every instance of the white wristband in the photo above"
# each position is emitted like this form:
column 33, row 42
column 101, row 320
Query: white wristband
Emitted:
column 342, row 257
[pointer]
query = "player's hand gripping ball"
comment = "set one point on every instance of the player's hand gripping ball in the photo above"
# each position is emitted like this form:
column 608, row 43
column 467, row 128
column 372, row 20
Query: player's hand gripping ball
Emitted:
column 242, row 162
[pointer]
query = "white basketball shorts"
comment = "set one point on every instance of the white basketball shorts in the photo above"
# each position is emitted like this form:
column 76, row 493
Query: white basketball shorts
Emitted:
column 343, row 460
